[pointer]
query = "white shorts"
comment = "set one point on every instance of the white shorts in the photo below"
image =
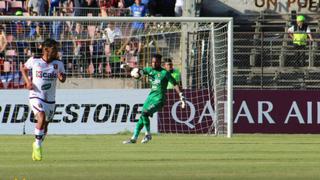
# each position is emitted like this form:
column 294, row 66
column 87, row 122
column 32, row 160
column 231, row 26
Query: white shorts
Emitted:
column 39, row 105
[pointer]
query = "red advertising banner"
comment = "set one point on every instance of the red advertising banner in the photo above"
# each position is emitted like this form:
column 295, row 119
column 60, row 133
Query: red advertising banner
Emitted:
column 193, row 119
column 255, row 111
column 276, row 111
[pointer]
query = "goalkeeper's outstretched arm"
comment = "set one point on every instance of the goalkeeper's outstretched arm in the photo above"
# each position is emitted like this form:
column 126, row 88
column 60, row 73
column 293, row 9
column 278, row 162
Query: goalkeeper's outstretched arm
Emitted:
column 182, row 98
column 178, row 89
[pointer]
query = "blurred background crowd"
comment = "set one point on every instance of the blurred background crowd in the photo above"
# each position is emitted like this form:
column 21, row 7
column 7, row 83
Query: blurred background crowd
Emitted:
column 91, row 50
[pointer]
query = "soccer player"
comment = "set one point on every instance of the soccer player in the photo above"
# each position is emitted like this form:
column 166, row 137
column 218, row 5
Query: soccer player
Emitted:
column 168, row 65
column 159, row 79
column 45, row 72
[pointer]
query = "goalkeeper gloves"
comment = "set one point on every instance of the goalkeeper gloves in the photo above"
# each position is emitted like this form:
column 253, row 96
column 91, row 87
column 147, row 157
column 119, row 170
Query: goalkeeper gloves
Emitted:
column 125, row 66
column 182, row 100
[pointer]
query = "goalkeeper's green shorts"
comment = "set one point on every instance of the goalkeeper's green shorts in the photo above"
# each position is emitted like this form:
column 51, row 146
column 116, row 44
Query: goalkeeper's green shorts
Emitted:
column 152, row 105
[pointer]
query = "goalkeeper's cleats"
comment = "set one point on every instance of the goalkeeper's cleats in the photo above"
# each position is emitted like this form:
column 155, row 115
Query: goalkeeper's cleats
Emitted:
column 130, row 141
column 36, row 152
column 146, row 139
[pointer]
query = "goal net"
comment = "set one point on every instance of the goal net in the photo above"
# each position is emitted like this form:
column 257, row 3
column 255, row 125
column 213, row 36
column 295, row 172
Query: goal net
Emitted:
column 95, row 47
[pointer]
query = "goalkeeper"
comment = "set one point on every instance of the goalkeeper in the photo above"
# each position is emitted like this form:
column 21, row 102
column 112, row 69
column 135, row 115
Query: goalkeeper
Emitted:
column 159, row 79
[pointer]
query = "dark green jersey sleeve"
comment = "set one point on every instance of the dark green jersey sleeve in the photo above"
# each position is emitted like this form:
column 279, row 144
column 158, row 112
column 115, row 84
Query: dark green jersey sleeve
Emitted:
column 171, row 78
column 147, row 70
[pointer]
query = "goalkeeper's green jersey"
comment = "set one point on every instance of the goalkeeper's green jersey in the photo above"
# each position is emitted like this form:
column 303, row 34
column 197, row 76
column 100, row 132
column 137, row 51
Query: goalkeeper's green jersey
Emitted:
column 158, row 79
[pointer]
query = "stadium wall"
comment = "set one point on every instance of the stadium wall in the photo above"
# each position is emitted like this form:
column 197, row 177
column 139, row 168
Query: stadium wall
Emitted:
column 100, row 111
column 94, row 83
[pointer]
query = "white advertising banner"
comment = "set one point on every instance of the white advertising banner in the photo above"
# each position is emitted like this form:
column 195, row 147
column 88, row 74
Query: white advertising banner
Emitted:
column 89, row 111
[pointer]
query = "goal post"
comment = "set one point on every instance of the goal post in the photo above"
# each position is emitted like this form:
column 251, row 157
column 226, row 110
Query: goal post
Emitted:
column 201, row 48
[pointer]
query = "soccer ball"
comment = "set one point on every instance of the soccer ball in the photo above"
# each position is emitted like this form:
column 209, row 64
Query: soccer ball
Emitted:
column 136, row 73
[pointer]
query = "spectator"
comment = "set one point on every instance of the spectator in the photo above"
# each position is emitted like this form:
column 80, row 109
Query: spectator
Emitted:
column 68, row 5
column 37, row 38
column 154, row 7
column 90, row 7
column 113, row 35
column 77, row 7
column 3, row 42
column 130, row 55
column 167, row 8
column 81, row 47
column 112, row 32
column 17, row 27
column 38, row 6
column 68, row 50
column 32, row 27
column 2, row 12
column 107, row 7
column 97, row 55
column 145, row 3
column 39, row 33
column 128, row 3
column 19, row 12
column 3, row 46
column 55, row 6
column 299, row 34
column 137, row 10
column 178, row 8
column 57, row 27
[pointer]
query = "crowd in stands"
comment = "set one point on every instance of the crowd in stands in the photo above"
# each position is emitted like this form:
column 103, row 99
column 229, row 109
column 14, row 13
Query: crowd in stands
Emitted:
column 92, row 49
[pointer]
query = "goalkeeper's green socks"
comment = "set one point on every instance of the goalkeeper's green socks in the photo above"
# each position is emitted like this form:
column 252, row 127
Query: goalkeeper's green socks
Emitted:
column 137, row 130
column 146, row 123
column 143, row 121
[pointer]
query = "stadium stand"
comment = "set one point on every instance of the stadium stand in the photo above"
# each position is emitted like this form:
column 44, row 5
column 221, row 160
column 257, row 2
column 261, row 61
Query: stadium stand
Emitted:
column 262, row 53
column 262, row 47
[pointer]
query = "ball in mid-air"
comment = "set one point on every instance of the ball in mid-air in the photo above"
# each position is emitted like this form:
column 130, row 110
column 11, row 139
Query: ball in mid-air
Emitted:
column 136, row 73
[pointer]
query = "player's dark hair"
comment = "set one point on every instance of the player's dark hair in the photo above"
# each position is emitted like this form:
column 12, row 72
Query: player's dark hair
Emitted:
column 49, row 43
column 167, row 60
column 157, row 56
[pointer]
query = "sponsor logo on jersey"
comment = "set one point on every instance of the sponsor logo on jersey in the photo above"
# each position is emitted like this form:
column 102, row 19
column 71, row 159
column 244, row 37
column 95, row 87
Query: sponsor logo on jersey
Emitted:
column 45, row 86
column 41, row 74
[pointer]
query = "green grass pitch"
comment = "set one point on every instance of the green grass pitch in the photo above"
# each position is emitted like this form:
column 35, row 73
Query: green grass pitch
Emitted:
column 99, row 157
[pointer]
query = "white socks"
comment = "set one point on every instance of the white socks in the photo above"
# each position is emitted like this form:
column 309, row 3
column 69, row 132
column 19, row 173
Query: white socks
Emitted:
column 39, row 135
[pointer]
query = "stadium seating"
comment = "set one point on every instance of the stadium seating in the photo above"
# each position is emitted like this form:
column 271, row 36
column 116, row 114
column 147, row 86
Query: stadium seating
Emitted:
column 263, row 49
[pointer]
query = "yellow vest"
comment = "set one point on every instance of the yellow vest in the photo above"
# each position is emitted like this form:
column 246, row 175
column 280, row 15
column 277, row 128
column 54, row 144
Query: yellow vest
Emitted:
column 300, row 38
column 300, row 35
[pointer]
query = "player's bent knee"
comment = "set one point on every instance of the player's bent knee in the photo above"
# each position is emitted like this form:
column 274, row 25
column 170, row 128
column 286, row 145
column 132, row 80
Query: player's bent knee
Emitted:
column 145, row 113
column 41, row 116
